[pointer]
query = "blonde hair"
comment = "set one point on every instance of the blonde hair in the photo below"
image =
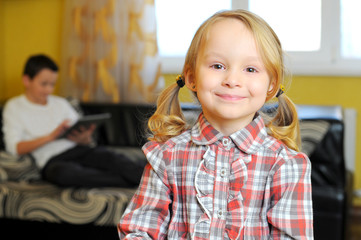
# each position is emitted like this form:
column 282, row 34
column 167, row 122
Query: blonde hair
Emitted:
column 168, row 120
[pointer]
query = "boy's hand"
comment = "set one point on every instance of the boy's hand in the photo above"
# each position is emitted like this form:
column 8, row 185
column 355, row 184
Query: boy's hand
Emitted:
column 83, row 135
column 60, row 129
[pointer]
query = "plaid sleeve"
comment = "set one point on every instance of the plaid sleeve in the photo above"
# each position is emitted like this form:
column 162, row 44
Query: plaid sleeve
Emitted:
column 291, row 214
column 147, row 215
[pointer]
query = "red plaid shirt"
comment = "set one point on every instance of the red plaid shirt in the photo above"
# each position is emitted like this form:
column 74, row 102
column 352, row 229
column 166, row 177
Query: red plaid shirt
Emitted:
column 203, row 185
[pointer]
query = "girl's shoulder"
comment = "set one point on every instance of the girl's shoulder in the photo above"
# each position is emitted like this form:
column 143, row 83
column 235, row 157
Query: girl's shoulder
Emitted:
column 291, row 166
column 158, row 150
column 160, row 155
column 281, row 151
column 153, row 147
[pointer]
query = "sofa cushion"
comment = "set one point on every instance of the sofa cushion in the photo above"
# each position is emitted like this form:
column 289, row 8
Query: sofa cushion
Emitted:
column 41, row 201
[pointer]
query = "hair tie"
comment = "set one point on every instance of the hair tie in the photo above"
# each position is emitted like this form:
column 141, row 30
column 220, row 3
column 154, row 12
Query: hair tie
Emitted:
column 180, row 81
column 280, row 91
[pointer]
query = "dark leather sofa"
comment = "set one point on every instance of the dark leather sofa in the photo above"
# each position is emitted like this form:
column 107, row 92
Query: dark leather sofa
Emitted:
column 322, row 132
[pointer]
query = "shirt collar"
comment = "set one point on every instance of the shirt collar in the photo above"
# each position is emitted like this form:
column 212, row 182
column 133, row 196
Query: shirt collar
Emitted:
column 249, row 139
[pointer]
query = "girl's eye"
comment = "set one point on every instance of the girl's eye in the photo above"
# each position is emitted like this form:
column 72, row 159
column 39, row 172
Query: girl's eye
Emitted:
column 217, row 66
column 251, row 70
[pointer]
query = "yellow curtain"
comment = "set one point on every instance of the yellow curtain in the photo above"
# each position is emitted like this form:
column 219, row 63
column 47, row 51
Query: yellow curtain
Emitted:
column 110, row 52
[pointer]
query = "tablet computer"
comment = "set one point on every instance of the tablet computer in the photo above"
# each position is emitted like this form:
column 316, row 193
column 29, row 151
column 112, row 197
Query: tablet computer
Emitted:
column 86, row 121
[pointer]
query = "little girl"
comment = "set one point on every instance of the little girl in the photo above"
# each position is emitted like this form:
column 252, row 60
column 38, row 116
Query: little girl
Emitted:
column 233, row 175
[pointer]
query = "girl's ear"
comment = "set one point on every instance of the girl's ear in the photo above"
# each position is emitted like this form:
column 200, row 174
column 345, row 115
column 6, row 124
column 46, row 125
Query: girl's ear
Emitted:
column 190, row 81
column 271, row 85
column 271, row 88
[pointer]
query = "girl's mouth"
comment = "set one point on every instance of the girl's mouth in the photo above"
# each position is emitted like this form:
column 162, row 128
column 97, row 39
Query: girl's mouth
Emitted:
column 230, row 97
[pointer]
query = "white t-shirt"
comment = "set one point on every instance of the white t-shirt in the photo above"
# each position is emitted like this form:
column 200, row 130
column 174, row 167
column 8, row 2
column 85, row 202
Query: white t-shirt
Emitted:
column 24, row 120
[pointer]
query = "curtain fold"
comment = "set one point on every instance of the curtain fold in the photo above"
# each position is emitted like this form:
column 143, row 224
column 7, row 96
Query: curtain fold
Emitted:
column 110, row 51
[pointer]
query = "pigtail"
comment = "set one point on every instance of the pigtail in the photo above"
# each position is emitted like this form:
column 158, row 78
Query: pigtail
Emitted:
column 285, row 125
column 168, row 120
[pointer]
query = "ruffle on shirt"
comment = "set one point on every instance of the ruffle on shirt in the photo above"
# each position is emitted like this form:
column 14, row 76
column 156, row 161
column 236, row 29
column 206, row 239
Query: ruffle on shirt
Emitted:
column 236, row 211
column 204, row 184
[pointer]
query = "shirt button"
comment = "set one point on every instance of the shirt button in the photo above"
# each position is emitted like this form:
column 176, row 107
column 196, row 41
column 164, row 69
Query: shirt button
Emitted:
column 226, row 143
column 223, row 172
column 220, row 213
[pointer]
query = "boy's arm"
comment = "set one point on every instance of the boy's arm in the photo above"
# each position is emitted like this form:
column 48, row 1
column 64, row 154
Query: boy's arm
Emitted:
column 291, row 213
column 24, row 147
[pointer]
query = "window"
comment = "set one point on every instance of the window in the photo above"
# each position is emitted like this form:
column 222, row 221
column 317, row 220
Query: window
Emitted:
column 320, row 37
column 295, row 31
column 177, row 22
column 350, row 35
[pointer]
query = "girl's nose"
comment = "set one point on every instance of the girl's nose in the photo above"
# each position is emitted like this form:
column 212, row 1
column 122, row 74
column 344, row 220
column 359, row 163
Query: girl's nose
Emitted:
column 233, row 79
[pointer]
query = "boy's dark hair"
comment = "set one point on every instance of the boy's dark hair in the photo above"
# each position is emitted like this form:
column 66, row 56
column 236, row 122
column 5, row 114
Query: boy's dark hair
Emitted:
column 38, row 62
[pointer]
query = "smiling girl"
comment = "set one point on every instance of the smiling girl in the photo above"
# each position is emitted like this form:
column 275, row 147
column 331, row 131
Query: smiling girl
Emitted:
column 232, row 175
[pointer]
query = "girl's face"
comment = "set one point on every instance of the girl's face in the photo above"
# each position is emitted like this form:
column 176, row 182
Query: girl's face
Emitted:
column 41, row 86
column 230, row 80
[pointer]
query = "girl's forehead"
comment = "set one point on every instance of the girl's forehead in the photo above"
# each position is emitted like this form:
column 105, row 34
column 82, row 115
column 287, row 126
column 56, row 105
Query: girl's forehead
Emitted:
column 225, row 30
column 226, row 22
column 223, row 24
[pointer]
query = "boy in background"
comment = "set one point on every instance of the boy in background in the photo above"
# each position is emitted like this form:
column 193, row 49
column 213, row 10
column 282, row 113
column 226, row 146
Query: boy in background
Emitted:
column 33, row 121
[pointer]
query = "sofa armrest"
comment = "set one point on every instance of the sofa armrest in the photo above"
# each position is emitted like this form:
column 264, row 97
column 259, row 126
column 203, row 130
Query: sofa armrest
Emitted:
column 21, row 168
column 3, row 175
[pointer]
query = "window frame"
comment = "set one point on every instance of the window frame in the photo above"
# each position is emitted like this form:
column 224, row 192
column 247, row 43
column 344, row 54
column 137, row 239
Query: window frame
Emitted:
column 325, row 62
